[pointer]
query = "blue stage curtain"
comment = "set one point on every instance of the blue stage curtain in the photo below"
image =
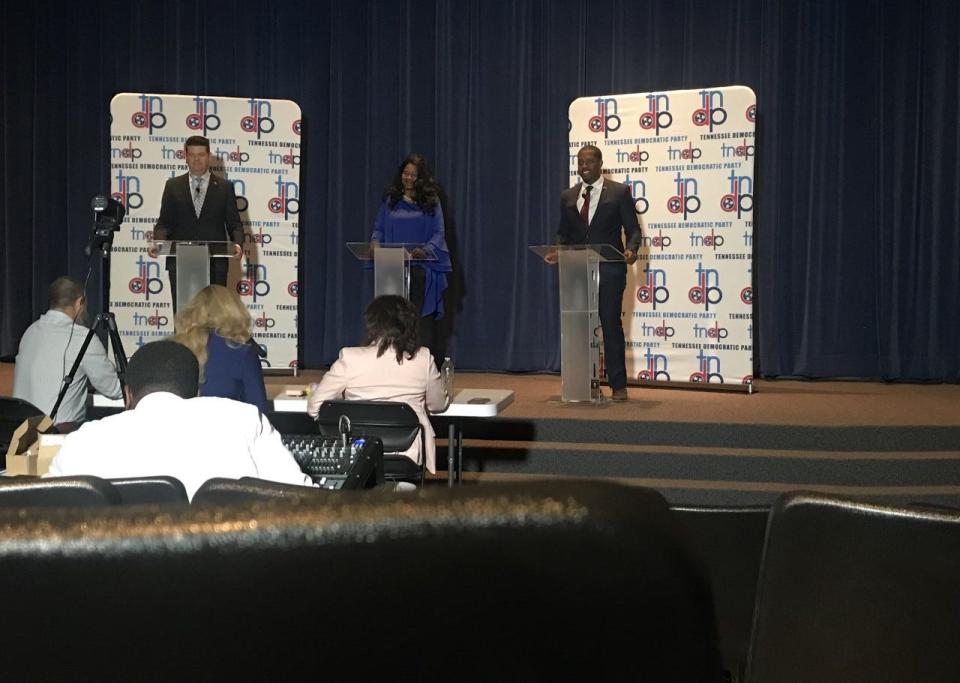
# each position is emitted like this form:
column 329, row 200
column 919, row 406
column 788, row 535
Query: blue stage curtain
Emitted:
column 857, row 220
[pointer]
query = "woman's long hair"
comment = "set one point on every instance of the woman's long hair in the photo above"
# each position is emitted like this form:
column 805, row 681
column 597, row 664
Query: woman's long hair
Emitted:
column 214, row 309
column 393, row 322
column 424, row 189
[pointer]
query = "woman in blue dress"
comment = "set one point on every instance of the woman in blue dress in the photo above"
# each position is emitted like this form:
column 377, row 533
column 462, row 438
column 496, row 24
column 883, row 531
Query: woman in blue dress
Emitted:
column 411, row 213
column 215, row 325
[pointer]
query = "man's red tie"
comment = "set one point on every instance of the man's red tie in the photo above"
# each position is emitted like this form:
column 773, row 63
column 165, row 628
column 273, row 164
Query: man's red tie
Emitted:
column 585, row 209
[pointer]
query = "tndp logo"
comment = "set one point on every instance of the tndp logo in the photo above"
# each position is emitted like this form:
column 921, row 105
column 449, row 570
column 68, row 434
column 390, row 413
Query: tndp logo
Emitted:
column 740, row 197
column 654, row 290
column 287, row 200
column 658, row 114
column 686, row 200
column 297, row 127
column 156, row 320
column 709, row 369
column 240, row 192
column 663, row 331
column 713, row 334
column 746, row 295
column 126, row 153
column 606, row 121
column 712, row 241
column 148, row 283
column 707, row 290
column 233, row 156
column 150, row 115
column 263, row 322
column 656, row 367
column 658, row 241
column 204, row 118
column 751, row 115
column 259, row 237
column 128, row 191
column 293, row 289
column 258, row 120
column 711, row 112
column 254, row 283
column 638, row 189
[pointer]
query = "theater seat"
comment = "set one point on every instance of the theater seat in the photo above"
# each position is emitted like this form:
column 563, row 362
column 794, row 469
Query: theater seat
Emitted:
column 29, row 492
column 729, row 542
column 150, row 490
column 851, row 591
column 538, row 581
column 222, row 491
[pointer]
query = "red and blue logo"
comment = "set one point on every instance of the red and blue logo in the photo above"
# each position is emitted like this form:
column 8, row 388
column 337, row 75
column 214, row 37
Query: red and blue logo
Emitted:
column 151, row 114
column 707, row 291
column 655, row 367
column 205, row 115
column 709, row 369
column 148, row 283
column 254, row 282
column 686, row 200
column 658, row 116
column 654, row 289
column 128, row 191
column 711, row 112
column 606, row 120
column 258, row 120
column 740, row 196
column 287, row 200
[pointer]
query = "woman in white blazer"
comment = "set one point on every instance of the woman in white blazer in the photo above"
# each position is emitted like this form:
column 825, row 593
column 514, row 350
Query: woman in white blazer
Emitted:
column 392, row 366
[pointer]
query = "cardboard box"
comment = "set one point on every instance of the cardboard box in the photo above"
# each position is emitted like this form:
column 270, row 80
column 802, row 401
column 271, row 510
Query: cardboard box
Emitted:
column 31, row 448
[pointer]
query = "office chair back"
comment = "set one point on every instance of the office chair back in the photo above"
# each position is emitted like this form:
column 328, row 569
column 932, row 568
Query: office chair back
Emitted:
column 395, row 423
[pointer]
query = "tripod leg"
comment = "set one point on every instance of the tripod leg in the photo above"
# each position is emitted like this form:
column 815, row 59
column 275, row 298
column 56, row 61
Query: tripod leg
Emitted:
column 117, row 345
column 68, row 378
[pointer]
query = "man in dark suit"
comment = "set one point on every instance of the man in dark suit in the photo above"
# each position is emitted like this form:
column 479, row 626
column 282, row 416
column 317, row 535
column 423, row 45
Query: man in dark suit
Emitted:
column 199, row 205
column 593, row 212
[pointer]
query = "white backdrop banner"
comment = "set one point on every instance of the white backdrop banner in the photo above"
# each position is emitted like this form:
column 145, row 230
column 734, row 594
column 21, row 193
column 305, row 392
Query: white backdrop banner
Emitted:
column 687, row 157
column 255, row 144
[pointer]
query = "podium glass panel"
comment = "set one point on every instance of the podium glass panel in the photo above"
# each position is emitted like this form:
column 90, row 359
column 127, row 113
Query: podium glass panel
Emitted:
column 193, row 263
column 579, row 345
column 391, row 264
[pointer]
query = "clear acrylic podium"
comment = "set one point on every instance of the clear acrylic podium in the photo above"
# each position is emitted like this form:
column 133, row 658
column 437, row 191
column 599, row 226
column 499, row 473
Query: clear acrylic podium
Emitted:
column 391, row 264
column 193, row 263
column 579, row 284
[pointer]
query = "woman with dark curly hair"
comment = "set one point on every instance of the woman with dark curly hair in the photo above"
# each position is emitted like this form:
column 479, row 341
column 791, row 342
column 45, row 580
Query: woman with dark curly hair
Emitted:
column 391, row 366
column 411, row 213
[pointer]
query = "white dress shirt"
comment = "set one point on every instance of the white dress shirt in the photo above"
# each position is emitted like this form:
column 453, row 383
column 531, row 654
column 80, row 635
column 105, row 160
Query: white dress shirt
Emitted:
column 191, row 439
column 42, row 365
column 597, row 186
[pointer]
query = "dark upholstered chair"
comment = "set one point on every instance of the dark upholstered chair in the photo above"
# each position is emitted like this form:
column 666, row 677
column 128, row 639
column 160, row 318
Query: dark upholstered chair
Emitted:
column 27, row 492
column 222, row 491
column 150, row 490
column 542, row 581
column 393, row 422
column 851, row 591
column 729, row 543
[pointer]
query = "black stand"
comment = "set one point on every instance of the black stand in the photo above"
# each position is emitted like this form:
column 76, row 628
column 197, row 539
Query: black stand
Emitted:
column 108, row 216
column 108, row 323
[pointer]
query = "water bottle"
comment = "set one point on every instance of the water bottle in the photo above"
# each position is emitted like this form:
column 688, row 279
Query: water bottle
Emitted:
column 446, row 376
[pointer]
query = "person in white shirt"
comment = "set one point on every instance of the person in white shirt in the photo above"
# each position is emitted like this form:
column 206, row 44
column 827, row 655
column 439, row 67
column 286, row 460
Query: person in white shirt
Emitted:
column 168, row 430
column 48, row 350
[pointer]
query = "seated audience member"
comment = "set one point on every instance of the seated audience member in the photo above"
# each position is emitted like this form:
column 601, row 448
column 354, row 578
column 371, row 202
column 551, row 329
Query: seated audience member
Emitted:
column 391, row 367
column 167, row 430
column 49, row 348
column 215, row 325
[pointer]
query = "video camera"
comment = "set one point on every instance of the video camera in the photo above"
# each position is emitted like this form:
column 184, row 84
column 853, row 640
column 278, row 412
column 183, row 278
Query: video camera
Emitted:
column 108, row 215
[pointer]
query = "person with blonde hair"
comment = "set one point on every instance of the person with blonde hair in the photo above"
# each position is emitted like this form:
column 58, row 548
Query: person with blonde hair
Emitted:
column 215, row 325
